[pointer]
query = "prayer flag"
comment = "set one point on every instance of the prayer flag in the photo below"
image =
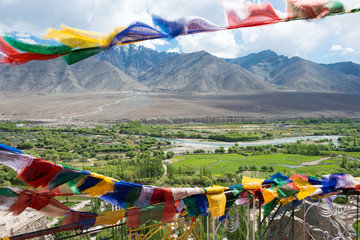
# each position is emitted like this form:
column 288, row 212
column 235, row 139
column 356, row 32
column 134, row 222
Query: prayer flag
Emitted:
column 248, row 14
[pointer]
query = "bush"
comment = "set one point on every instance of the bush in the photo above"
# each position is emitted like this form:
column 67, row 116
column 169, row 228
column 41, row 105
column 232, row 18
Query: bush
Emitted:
column 199, row 151
column 25, row 145
column 264, row 169
column 170, row 154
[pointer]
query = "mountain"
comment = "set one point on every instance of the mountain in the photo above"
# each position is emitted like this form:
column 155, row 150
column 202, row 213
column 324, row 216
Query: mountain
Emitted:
column 263, row 64
column 135, row 68
column 133, row 60
column 298, row 74
column 56, row 77
column 95, row 75
column 201, row 72
column 345, row 67
column 301, row 74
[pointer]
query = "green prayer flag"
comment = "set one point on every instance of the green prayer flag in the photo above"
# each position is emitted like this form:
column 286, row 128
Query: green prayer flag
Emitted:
column 81, row 54
column 270, row 206
column 37, row 48
column 152, row 212
column 132, row 196
column 285, row 191
column 7, row 192
column 192, row 208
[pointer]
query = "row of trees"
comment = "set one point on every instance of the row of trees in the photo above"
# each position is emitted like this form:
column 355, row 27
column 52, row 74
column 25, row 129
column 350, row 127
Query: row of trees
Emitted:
column 254, row 168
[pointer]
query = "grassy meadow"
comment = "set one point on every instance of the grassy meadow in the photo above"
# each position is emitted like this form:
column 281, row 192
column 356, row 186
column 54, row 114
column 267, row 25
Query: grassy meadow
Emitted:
column 221, row 164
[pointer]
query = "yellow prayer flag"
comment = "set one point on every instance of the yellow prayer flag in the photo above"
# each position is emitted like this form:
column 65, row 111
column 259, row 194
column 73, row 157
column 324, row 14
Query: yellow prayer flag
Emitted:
column 299, row 182
column 287, row 200
column 77, row 38
column 214, row 190
column 109, row 218
column 305, row 191
column 217, row 200
column 104, row 186
column 252, row 183
column 269, row 195
column 217, row 204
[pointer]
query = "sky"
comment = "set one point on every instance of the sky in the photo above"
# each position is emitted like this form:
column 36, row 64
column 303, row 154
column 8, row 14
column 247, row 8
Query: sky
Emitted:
column 328, row 40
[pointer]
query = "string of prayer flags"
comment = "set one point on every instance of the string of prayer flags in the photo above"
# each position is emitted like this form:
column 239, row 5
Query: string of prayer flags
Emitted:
column 143, row 203
column 75, row 45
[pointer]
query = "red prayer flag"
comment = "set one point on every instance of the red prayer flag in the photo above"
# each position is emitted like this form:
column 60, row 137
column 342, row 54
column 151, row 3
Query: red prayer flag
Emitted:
column 133, row 217
column 169, row 212
column 253, row 15
column 39, row 173
column 161, row 195
column 13, row 56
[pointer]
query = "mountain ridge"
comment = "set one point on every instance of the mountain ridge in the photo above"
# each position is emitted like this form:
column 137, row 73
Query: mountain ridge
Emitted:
column 201, row 72
column 296, row 73
column 136, row 68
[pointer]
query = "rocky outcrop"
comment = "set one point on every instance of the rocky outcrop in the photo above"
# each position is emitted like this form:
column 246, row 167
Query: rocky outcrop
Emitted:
column 26, row 222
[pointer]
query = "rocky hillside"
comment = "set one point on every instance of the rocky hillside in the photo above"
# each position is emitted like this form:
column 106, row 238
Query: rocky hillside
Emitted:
column 201, row 72
column 136, row 68
column 55, row 77
column 298, row 74
column 133, row 60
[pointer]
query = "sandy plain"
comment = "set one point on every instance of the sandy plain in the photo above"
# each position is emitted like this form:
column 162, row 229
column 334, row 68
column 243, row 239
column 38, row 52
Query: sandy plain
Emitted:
column 84, row 109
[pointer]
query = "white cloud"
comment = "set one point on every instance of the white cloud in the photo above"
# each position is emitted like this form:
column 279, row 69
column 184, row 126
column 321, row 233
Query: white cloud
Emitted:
column 173, row 50
column 27, row 40
column 342, row 49
column 152, row 43
column 336, row 47
column 23, row 35
column 238, row 6
column 308, row 39
column 290, row 38
column 221, row 44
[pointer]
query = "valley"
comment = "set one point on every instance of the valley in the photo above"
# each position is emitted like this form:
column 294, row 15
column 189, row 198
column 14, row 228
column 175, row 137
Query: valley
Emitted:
column 167, row 107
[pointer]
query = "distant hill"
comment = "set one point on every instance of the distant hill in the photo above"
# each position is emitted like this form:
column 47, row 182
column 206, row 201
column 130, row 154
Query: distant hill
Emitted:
column 136, row 68
column 263, row 64
column 345, row 67
column 201, row 72
column 298, row 74
column 56, row 77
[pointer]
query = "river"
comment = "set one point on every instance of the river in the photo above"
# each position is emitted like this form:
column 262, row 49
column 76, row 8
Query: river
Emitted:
column 183, row 145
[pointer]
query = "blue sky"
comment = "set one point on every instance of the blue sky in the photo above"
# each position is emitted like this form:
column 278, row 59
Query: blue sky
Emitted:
column 332, row 39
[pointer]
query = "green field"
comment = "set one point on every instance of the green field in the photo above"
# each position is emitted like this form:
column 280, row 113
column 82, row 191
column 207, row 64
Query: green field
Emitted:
column 219, row 164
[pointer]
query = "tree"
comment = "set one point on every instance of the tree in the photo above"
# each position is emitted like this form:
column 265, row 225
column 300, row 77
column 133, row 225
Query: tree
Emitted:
column 25, row 145
column 170, row 154
column 170, row 171
column 253, row 168
column 264, row 168
column 130, row 154
column 220, row 150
